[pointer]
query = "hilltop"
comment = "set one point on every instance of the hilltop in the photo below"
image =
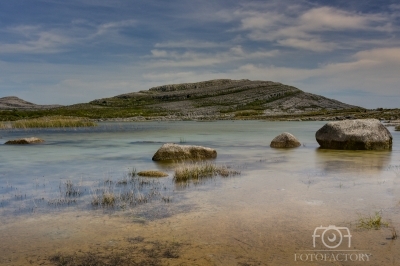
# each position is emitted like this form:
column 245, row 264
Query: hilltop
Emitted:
column 12, row 103
column 225, row 97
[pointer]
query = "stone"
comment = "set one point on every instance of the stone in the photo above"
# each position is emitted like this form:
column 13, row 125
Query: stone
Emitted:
column 32, row 140
column 285, row 140
column 359, row 134
column 172, row 151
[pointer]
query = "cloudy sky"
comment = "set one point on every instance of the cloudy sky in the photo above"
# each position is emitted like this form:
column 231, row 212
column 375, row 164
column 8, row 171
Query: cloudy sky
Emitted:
column 65, row 52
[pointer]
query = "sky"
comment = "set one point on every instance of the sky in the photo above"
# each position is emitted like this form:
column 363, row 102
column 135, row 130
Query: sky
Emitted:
column 66, row 52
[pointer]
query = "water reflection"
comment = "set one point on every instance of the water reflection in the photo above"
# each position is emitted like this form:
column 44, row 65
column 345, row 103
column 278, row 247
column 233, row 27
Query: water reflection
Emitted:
column 350, row 161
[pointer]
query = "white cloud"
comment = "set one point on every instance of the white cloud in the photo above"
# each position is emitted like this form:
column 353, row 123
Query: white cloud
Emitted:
column 38, row 42
column 37, row 39
column 188, row 44
column 164, row 58
column 328, row 18
column 309, row 29
column 114, row 26
column 310, row 44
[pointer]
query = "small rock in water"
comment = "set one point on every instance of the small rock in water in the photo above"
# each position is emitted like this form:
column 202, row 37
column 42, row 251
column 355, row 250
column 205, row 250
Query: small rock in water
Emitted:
column 285, row 140
column 32, row 140
column 172, row 151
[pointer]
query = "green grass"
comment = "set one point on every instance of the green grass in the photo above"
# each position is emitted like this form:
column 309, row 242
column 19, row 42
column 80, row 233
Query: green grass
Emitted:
column 249, row 113
column 198, row 171
column 372, row 222
column 53, row 122
column 90, row 111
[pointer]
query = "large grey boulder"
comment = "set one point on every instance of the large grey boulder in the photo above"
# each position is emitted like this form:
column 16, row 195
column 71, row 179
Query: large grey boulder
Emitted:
column 285, row 140
column 359, row 134
column 172, row 151
column 32, row 140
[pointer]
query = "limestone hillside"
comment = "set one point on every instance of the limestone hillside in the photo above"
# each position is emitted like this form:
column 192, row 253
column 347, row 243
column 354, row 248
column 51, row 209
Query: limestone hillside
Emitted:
column 224, row 97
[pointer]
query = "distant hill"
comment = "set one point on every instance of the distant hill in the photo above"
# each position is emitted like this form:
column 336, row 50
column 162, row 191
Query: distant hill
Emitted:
column 218, row 99
column 225, row 96
column 12, row 102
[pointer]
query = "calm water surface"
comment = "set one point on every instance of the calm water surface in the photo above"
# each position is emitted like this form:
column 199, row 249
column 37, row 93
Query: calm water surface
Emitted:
column 265, row 216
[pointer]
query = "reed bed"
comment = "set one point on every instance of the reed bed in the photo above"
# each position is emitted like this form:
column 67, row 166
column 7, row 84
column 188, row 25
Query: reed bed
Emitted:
column 130, row 191
column 53, row 122
column 198, row 171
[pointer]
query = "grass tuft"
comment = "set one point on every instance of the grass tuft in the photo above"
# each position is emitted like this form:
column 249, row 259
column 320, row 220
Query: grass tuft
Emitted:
column 372, row 222
column 397, row 128
column 152, row 173
column 108, row 199
column 197, row 171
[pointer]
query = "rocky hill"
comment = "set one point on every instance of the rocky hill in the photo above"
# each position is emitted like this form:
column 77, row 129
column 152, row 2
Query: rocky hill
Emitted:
column 12, row 102
column 207, row 100
column 224, row 97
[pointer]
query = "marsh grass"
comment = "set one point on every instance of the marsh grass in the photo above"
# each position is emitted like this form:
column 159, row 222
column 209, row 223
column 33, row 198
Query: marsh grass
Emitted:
column 152, row 173
column 198, row 171
column 53, row 122
column 71, row 190
column 129, row 191
column 397, row 128
column 372, row 222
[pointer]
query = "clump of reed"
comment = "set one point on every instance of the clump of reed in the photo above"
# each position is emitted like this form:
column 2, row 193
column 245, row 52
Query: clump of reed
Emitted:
column 132, row 190
column 70, row 189
column 397, row 128
column 372, row 222
column 107, row 199
column 198, row 171
column 61, row 202
column 53, row 122
column 152, row 173
column 133, row 173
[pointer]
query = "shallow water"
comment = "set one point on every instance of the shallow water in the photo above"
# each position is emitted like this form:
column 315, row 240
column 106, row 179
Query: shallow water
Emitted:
column 265, row 216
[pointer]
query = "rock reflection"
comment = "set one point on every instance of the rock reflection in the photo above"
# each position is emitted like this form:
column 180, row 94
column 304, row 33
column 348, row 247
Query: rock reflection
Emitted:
column 351, row 161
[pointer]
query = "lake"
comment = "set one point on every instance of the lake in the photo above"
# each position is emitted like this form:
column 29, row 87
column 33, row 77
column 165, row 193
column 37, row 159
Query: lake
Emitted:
column 276, row 212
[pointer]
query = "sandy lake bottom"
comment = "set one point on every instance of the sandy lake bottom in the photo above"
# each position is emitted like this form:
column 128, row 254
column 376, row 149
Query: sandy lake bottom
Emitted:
column 267, row 215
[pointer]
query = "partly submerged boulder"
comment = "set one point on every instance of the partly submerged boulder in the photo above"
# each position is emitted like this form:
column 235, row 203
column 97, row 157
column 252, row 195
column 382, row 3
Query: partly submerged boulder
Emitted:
column 31, row 140
column 172, row 151
column 285, row 140
column 359, row 134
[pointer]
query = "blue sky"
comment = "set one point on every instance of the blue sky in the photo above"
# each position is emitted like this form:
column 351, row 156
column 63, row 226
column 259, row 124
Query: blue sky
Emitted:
column 75, row 51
